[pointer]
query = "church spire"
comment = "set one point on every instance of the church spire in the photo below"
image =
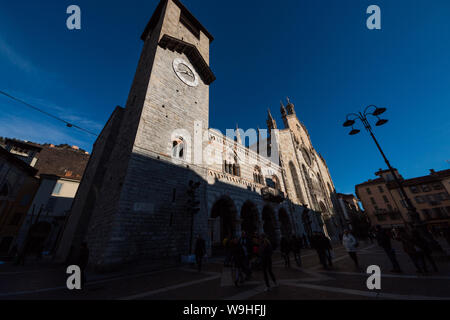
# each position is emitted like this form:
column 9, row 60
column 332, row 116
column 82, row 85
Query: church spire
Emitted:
column 290, row 107
column 283, row 109
column 271, row 123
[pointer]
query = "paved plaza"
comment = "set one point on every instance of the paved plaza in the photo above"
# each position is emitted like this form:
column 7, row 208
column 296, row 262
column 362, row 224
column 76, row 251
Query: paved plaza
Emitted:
column 310, row 282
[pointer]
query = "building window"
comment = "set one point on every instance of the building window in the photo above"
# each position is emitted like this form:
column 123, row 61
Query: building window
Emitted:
column 380, row 188
column 443, row 196
column 373, row 201
column 439, row 213
column 437, row 186
column 257, row 175
column 426, row 214
column 414, row 189
column 385, row 199
column 297, row 186
column 426, row 188
column 390, row 207
column 272, row 182
column 57, row 188
column 179, row 149
column 420, row 199
column 368, row 191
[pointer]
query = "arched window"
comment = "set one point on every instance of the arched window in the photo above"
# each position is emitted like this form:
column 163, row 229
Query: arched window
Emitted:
column 297, row 186
column 273, row 182
column 179, row 148
column 231, row 166
column 257, row 175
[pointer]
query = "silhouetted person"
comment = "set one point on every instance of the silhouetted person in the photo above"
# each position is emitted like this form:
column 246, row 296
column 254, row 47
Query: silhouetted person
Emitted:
column 328, row 249
column 247, row 248
column 266, row 251
column 200, row 251
column 285, row 251
column 350, row 244
column 384, row 241
column 319, row 245
column 425, row 247
column 296, row 249
column 237, row 261
column 412, row 251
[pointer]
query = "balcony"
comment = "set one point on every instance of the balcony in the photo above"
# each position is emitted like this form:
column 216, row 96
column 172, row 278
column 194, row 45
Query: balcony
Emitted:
column 272, row 195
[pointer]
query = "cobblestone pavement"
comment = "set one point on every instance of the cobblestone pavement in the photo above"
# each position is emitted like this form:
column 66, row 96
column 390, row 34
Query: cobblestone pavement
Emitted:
column 311, row 281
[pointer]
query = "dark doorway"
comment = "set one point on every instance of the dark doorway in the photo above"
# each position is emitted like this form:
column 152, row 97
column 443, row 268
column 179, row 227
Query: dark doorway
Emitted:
column 225, row 210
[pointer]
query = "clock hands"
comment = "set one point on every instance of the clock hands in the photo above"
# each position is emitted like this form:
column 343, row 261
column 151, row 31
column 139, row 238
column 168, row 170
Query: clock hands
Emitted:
column 189, row 73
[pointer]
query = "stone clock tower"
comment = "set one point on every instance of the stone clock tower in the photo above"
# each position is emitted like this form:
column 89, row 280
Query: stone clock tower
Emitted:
column 131, row 204
column 171, row 87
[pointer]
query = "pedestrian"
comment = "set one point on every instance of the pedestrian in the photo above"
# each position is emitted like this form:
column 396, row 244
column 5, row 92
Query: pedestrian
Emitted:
column 319, row 245
column 328, row 249
column 266, row 251
column 413, row 251
column 296, row 249
column 226, row 245
column 285, row 251
column 83, row 259
column 237, row 262
column 425, row 247
column 350, row 244
column 247, row 248
column 200, row 251
column 384, row 241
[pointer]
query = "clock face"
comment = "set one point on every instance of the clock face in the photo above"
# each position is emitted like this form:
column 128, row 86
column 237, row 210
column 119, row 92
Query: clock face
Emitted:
column 185, row 72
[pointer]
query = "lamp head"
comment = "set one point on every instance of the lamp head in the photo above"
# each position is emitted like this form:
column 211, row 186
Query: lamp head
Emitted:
column 381, row 122
column 349, row 123
column 379, row 111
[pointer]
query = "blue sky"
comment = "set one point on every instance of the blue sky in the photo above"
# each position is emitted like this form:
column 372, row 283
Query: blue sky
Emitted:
column 317, row 52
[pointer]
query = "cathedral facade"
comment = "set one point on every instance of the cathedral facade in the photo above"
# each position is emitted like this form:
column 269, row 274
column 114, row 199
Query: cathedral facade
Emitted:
column 158, row 175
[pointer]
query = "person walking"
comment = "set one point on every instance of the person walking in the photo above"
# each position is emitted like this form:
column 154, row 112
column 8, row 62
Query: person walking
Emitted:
column 246, row 246
column 350, row 244
column 384, row 241
column 414, row 252
column 319, row 245
column 200, row 251
column 266, row 251
column 285, row 251
column 237, row 262
column 296, row 249
column 425, row 247
column 328, row 249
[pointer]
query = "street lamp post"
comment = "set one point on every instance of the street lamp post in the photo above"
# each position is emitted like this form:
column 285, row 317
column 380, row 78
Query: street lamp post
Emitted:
column 375, row 111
